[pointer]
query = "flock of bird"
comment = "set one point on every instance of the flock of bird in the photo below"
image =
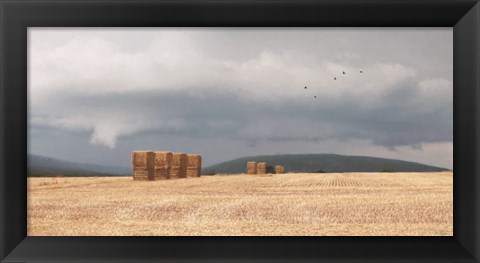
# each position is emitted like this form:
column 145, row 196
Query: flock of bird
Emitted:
column 335, row 78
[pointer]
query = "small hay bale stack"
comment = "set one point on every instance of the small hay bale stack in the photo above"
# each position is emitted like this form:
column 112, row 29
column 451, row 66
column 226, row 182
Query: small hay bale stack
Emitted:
column 279, row 169
column 262, row 168
column 179, row 166
column 163, row 163
column 252, row 167
column 194, row 165
column 143, row 163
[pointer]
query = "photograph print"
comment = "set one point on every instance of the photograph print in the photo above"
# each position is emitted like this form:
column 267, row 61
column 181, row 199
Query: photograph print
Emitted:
column 240, row 131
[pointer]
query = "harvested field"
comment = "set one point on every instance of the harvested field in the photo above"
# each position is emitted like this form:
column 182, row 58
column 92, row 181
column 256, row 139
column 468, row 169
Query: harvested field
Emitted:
column 347, row 204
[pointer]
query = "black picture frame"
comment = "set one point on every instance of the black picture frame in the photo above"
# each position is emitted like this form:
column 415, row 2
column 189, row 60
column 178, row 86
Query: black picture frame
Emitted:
column 18, row 15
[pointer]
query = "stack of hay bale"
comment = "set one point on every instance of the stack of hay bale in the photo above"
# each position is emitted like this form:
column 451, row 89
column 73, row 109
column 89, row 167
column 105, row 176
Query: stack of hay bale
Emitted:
column 279, row 169
column 252, row 167
column 179, row 166
column 262, row 168
column 194, row 165
column 150, row 165
column 163, row 163
column 143, row 165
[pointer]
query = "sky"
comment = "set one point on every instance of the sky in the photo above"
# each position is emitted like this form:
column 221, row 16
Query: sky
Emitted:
column 96, row 94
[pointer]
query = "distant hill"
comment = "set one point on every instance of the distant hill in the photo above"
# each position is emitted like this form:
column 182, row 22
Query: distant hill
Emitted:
column 323, row 162
column 46, row 166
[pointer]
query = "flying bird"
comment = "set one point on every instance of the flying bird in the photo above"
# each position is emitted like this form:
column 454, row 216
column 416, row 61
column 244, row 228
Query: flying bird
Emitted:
column 344, row 72
column 334, row 78
column 305, row 87
column 361, row 71
column 315, row 97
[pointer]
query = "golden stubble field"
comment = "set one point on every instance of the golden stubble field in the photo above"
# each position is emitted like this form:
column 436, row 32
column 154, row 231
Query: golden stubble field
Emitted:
column 332, row 204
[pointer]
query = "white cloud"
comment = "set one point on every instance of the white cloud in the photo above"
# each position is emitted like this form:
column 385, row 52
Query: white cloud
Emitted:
column 173, row 62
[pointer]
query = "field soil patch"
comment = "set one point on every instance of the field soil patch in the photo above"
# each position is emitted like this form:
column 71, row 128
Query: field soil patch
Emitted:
column 332, row 204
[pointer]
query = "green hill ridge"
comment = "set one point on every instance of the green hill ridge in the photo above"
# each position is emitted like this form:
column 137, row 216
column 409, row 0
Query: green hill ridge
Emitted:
column 323, row 162
column 46, row 166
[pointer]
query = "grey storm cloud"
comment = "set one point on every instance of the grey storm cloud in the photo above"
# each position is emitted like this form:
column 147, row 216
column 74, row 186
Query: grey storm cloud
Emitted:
column 115, row 87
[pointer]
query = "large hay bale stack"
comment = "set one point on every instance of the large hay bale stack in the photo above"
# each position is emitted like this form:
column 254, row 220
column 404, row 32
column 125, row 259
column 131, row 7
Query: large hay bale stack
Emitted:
column 252, row 167
column 163, row 164
column 194, row 165
column 262, row 168
column 179, row 166
column 279, row 169
column 143, row 163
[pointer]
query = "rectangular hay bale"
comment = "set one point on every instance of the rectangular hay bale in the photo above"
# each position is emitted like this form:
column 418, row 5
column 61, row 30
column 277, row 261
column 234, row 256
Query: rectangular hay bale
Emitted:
column 179, row 166
column 163, row 164
column 143, row 165
column 194, row 165
column 262, row 168
column 252, row 167
column 194, row 160
column 279, row 169
column 193, row 172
